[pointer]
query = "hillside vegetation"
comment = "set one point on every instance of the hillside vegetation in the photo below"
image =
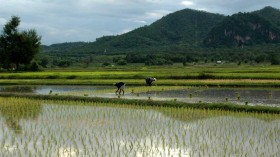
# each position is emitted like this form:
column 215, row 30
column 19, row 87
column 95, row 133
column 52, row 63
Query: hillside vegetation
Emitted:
column 185, row 36
column 185, row 27
column 243, row 29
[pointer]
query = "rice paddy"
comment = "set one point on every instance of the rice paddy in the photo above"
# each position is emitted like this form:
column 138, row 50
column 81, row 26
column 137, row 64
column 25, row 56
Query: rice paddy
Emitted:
column 31, row 127
column 189, row 94
column 222, row 75
column 198, row 117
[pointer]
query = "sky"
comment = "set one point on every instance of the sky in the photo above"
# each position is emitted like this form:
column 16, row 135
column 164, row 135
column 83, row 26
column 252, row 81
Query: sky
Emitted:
column 58, row 21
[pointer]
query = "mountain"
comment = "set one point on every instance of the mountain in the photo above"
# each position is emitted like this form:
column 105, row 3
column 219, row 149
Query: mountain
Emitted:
column 271, row 14
column 183, row 31
column 243, row 29
column 185, row 27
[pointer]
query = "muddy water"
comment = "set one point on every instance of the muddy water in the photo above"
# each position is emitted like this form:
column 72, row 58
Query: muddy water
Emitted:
column 242, row 96
column 249, row 96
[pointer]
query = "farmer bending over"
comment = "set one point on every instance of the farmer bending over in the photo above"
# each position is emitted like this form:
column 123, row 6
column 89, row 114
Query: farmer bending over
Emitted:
column 120, row 87
column 150, row 80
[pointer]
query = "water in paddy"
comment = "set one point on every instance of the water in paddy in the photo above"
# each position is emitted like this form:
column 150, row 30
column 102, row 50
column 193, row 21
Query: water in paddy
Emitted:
column 75, row 130
column 249, row 96
column 45, row 89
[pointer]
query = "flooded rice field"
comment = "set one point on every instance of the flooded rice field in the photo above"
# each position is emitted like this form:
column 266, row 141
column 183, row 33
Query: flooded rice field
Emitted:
column 62, row 129
column 242, row 96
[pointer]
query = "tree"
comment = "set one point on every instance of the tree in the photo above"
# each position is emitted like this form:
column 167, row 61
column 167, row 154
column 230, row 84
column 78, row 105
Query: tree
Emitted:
column 275, row 59
column 18, row 47
column 44, row 62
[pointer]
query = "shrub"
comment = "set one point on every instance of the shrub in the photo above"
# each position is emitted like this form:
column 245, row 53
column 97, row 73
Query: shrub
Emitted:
column 106, row 64
column 121, row 62
column 205, row 76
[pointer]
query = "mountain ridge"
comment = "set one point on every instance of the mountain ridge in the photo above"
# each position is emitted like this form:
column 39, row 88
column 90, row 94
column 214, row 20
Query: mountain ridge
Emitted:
column 243, row 29
column 185, row 29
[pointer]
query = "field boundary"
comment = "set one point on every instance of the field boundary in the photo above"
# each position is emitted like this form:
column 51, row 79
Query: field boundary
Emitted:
column 141, row 82
column 199, row 105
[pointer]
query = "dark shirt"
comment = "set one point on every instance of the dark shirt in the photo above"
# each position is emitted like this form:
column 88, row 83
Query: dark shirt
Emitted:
column 119, row 84
column 149, row 81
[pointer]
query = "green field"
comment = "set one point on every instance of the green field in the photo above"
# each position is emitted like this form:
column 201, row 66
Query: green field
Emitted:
column 222, row 75
column 168, row 77
column 71, row 125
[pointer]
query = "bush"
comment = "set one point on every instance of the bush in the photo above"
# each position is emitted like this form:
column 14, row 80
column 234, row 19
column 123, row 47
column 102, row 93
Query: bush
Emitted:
column 62, row 63
column 106, row 64
column 44, row 62
column 275, row 60
column 33, row 66
column 158, row 61
column 121, row 62
column 205, row 76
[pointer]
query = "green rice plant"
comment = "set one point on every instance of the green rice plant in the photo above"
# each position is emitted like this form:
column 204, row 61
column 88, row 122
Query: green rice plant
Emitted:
column 270, row 95
column 80, row 127
column 237, row 95
column 143, row 89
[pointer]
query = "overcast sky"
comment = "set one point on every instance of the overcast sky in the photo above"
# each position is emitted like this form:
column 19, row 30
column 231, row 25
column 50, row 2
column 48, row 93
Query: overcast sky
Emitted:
column 60, row 21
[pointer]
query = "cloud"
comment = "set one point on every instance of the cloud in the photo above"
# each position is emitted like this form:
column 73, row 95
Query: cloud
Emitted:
column 3, row 21
column 125, row 31
column 136, row 21
column 187, row 3
column 156, row 14
column 86, row 20
column 234, row 6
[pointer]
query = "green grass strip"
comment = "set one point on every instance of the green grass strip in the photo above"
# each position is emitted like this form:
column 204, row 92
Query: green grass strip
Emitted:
column 176, row 104
column 141, row 82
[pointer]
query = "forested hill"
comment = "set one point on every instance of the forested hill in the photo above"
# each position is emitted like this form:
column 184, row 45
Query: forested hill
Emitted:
column 270, row 14
column 246, row 29
column 186, row 29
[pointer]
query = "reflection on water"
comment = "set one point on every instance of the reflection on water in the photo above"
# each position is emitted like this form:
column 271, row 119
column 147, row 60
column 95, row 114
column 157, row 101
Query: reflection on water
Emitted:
column 80, row 130
column 18, row 89
column 68, row 89
column 248, row 96
column 253, row 96
column 15, row 111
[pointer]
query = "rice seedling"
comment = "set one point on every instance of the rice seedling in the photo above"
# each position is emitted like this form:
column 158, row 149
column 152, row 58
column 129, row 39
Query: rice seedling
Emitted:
column 147, row 89
column 226, row 99
column 270, row 95
column 79, row 128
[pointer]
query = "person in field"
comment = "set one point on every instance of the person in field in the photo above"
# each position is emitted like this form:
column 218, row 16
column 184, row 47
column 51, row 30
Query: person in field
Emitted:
column 150, row 80
column 120, row 87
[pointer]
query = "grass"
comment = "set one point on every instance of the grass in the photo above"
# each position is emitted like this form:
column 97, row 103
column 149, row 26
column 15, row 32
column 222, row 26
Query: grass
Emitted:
column 161, row 72
column 141, row 82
